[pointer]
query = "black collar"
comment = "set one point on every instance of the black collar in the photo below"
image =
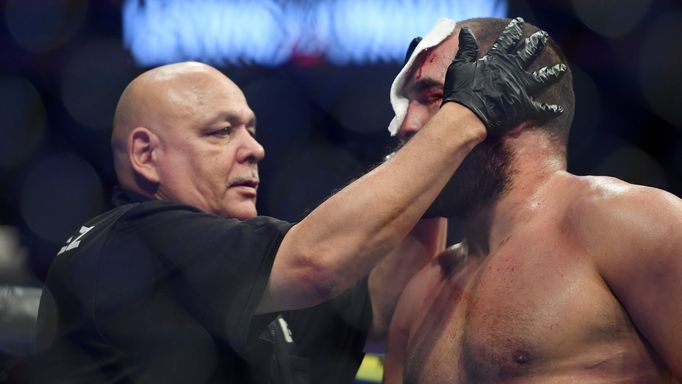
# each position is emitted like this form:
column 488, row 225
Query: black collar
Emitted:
column 121, row 196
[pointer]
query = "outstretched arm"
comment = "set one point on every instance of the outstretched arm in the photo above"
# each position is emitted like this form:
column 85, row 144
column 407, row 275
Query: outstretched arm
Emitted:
column 345, row 237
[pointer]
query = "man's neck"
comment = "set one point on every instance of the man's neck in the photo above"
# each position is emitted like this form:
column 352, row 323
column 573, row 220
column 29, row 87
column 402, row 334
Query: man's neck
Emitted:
column 537, row 166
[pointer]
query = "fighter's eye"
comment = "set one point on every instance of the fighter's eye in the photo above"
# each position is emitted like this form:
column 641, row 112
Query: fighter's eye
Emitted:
column 430, row 97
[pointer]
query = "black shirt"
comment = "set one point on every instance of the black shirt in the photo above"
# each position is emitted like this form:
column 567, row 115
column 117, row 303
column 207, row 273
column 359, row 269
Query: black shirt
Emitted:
column 156, row 291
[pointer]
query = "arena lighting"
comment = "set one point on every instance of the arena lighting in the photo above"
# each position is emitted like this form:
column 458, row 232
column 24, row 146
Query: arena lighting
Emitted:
column 272, row 32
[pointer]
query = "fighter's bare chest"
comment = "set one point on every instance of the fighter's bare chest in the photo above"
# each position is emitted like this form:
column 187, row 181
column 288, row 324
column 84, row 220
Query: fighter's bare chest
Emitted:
column 506, row 314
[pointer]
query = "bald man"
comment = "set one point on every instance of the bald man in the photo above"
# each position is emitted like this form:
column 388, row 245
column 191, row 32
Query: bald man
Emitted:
column 183, row 282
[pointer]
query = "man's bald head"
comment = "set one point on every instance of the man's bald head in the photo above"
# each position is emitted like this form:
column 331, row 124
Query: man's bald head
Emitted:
column 156, row 99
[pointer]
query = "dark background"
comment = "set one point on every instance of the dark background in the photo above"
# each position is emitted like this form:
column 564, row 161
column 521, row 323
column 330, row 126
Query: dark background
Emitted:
column 322, row 125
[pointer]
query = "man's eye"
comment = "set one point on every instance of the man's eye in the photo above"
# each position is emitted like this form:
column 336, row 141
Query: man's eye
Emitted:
column 221, row 132
column 431, row 98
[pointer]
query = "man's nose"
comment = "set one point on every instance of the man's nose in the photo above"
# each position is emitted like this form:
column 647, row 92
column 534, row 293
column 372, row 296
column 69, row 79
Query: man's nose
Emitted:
column 250, row 150
column 415, row 118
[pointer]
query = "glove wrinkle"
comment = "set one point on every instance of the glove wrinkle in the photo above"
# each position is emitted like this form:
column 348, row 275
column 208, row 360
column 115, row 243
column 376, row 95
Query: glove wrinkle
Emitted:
column 497, row 87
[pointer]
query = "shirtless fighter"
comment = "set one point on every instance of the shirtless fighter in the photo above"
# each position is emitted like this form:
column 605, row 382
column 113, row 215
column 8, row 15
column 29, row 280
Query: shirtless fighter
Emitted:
column 559, row 278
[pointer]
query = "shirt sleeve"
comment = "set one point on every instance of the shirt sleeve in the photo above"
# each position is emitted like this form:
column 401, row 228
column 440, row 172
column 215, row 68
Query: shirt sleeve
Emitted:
column 170, row 270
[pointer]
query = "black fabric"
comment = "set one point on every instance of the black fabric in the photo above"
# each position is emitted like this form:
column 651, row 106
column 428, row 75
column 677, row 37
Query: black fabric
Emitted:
column 333, row 334
column 159, row 292
column 279, row 356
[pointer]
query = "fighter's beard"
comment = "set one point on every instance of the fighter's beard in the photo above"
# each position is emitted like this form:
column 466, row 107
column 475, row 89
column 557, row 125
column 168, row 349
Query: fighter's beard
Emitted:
column 482, row 178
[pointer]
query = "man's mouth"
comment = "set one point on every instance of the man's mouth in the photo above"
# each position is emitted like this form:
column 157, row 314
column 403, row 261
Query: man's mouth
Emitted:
column 245, row 183
column 248, row 185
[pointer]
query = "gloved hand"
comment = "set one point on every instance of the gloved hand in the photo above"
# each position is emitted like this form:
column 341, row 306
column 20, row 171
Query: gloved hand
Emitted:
column 496, row 87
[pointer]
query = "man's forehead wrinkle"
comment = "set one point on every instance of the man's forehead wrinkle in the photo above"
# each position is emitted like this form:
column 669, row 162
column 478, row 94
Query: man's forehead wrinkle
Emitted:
column 235, row 115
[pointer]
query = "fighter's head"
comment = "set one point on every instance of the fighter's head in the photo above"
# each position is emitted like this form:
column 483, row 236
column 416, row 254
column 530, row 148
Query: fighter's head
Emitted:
column 485, row 173
column 185, row 132
column 424, row 82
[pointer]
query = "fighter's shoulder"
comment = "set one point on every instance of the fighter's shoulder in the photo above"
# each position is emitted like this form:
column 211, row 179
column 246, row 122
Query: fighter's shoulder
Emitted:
column 603, row 196
column 434, row 272
column 607, row 208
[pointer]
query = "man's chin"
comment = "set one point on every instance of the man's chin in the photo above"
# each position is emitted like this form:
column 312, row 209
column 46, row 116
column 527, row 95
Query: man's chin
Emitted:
column 244, row 210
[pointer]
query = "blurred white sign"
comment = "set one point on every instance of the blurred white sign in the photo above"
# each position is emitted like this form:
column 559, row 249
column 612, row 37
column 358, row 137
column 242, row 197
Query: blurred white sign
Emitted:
column 271, row 32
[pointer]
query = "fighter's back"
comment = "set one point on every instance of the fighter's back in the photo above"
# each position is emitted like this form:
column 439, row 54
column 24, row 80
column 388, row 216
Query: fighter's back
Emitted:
column 534, row 310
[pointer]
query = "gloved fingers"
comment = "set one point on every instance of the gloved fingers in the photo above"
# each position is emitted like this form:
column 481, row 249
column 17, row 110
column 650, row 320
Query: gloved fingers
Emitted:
column 544, row 77
column 532, row 47
column 509, row 38
column 468, row 47
column 410, row 49
column 544, row 112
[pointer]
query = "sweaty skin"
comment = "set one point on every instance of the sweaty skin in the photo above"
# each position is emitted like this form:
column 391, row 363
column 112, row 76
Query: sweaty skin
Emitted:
column 561, row 279
column 545, row 305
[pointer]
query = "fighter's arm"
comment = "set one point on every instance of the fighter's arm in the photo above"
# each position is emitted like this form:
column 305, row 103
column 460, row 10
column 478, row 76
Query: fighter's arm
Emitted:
column 636, row 235
column 388, row 279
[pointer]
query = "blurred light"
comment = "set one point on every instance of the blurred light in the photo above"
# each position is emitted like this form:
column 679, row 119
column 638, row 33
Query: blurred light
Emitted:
column 59, row 194
column 371, row 369
column 92, row 81
column 40, row 26
column 22, row 120
column 379, row 31
column 270, row 32
column 18, row 328
column 12, row 254
column 635, row 166
column 611, row 18
column 659, row 65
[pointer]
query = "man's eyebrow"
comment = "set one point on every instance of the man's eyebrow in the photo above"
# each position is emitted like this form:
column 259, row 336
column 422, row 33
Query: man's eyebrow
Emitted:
column 232, row 116
column 423, row 84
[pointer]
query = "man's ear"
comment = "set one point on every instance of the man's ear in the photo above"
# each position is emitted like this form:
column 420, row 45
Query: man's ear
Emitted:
column 516, row 131
column 142, row 147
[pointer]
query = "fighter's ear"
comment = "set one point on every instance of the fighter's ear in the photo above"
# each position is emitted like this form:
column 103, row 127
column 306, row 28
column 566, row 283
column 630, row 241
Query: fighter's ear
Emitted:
column 142, row 147
column 516, row 131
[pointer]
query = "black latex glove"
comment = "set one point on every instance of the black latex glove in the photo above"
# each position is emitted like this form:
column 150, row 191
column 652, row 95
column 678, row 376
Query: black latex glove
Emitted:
column 496, row 87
